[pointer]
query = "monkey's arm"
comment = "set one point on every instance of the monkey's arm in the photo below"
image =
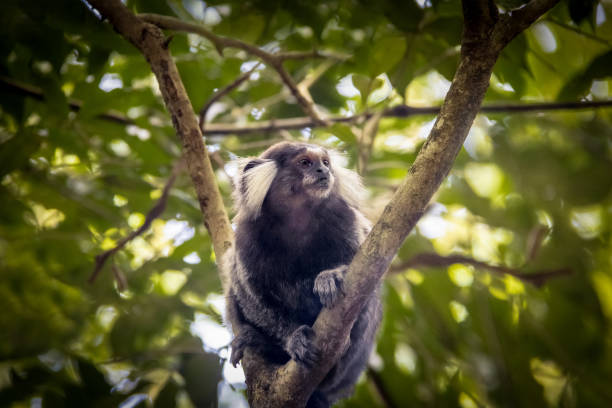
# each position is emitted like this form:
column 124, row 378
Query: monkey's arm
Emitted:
column 268, row 331
column 329, row 283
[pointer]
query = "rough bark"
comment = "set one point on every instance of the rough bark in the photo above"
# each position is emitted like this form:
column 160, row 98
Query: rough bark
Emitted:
column 150, row 40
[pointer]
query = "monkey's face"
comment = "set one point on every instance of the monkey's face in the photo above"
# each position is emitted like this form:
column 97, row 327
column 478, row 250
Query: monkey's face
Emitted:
column 292, row 176
column 312, row 167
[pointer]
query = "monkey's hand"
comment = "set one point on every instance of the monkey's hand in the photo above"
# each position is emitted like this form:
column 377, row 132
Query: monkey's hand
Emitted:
column 329, row 285
column 299, row 345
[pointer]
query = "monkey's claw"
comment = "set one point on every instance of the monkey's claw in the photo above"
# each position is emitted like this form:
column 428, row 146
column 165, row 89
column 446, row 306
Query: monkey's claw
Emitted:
column 300, row 346
column 329, row 285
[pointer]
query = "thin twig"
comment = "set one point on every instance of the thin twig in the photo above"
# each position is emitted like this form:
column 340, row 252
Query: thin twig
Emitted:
column 578, row 31
column 380, row 387
column 430, row 259
column 34, row 92
column 305, row 102
column 220, row 42
column 153, row 213
column 222, row 93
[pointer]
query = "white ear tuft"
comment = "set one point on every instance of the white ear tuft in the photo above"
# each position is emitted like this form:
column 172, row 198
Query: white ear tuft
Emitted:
column 348, row 182
column 252, row 185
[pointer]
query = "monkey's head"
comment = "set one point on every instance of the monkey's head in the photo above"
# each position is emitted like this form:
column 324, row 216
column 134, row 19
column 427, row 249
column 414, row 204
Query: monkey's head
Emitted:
column 292, row 174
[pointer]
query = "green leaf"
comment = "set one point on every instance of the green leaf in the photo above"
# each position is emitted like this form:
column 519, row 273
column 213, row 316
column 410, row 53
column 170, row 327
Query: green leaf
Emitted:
column 385, row 54
column 344, row 133
column 580, row 84
column 202, row 373
column 15, row 152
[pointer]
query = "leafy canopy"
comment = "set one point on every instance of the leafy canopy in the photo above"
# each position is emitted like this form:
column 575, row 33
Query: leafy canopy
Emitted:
column 86, row 147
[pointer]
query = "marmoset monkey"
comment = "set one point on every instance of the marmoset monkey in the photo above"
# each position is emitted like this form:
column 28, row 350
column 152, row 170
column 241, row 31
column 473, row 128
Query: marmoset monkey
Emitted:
column 298, row 226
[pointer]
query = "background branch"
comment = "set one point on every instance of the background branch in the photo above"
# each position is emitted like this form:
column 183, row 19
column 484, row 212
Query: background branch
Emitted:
column 153, row 213
column 222, row 93
column 431, row 259
column 398, row 111
column 273, row 60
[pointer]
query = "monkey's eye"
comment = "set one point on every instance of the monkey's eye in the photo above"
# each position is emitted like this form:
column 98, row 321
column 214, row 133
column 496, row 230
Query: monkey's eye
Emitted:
column 326, row 162
column 305, row 163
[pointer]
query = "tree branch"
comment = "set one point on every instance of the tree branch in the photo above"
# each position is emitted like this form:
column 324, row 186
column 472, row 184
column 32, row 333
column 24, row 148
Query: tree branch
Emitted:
column 274, row 60
column 153, row 45
column 153, row 213
column 398, row 111
column 222, row 93
column 431, row 259
column 516, row 21
column 302, row 55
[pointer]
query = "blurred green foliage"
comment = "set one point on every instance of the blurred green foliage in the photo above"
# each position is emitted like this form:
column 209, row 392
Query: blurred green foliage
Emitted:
column 148, row 331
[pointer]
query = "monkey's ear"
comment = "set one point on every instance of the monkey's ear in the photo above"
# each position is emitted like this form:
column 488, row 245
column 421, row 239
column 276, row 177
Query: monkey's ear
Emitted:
column 254, row 178
column 348, row 182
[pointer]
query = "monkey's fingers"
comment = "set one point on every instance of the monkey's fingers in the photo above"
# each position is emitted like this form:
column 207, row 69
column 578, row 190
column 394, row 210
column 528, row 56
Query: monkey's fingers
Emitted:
column 329, row 286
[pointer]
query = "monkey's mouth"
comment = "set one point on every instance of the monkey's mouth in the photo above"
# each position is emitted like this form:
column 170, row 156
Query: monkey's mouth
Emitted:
column 322, row 183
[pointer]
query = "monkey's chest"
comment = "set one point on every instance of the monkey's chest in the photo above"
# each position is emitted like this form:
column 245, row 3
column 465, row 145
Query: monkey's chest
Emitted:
column 300, row 301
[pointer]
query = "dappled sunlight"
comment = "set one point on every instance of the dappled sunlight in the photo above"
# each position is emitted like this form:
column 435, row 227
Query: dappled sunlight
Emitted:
column 500, row 296
column 214, row 335
column 406, row 358
column 486, row 179
column 588, row 221
column 461, row 275
column 458, row 311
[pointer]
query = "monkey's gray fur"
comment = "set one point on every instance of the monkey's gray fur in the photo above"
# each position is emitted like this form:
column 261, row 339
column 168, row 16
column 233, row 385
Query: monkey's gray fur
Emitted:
column 298, row 226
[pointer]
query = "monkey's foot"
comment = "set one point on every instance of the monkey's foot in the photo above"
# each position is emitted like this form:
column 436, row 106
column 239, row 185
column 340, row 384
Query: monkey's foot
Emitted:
column 329, row 285
column 238, row 344
column 300, row 346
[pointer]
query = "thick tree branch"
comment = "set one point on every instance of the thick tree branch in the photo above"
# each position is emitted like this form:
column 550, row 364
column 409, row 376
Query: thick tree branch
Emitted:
column 291, row 384
column 517, row 21
column 151, row 42
column 274, row 60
